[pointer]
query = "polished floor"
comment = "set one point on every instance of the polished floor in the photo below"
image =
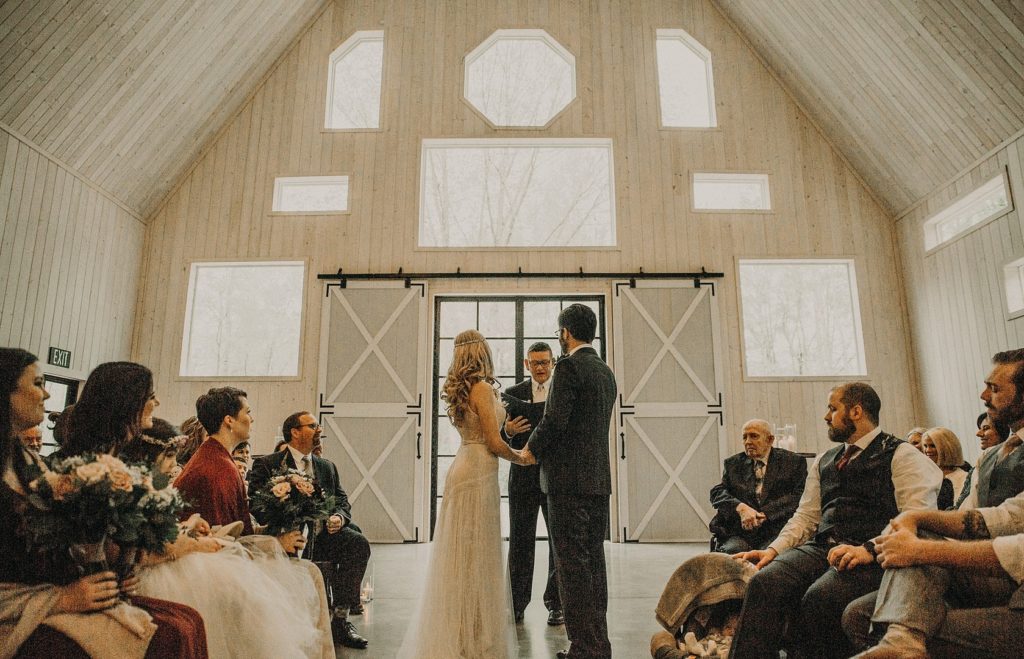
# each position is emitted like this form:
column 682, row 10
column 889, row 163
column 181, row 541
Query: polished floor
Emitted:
column 636, row 575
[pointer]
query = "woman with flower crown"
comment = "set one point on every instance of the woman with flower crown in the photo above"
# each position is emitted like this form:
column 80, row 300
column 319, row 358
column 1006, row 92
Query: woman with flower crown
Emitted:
column 46, row 609
column 465, row 609
column 253, row 607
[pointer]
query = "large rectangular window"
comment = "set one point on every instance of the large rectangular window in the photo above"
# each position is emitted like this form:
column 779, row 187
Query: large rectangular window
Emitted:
column 511, row 325
column 970, row 211
column 243, row 319
column 801, row 318
column 517, row 193
column 1013, row 282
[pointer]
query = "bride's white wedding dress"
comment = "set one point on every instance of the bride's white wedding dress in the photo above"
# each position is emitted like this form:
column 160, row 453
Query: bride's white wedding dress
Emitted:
column 465, row 609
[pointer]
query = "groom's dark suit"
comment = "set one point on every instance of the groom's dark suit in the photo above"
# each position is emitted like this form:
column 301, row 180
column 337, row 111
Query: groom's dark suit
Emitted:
column 571, row 445
column 348, row 548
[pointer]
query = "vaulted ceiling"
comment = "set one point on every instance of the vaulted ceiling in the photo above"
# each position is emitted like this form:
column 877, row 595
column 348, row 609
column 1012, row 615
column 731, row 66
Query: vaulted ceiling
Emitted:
column 912, row 92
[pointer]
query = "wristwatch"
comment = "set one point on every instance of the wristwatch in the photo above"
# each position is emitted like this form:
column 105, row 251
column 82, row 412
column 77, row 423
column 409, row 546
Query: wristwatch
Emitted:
column 870, row 546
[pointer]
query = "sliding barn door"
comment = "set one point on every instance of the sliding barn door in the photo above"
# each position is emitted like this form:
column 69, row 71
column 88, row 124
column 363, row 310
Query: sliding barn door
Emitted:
column 373, row 379
column 670, row 436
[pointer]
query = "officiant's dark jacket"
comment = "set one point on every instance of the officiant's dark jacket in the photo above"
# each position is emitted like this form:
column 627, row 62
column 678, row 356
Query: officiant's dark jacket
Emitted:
column 326, row 473
column 784, row 477
column 571, row 440
column 522, row 477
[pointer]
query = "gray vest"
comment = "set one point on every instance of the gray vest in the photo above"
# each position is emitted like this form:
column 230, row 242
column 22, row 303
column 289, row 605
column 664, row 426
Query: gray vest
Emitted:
column 999, row 481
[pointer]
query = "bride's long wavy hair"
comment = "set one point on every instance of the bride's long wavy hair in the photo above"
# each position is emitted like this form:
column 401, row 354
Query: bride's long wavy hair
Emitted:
column 471, row 363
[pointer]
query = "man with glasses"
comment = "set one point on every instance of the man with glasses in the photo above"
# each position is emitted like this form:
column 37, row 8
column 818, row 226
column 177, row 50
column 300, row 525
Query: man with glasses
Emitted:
column 340, row 544
column 525, row 497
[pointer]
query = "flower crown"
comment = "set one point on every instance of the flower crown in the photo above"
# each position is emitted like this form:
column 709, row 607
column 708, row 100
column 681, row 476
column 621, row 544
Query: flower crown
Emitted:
column 468, row 341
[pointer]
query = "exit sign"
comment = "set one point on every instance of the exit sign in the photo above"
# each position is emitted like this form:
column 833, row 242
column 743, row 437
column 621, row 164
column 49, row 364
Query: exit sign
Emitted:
column 59, row 357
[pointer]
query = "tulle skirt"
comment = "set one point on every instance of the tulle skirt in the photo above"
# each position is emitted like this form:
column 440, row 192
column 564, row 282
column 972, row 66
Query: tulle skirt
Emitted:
column 465, row 609
column 260, row 606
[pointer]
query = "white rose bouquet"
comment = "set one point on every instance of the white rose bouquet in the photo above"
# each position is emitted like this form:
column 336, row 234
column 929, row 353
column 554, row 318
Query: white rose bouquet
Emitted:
column 289, row 500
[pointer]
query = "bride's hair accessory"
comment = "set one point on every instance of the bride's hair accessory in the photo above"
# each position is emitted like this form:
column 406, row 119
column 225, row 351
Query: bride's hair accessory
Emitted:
column 468, row 341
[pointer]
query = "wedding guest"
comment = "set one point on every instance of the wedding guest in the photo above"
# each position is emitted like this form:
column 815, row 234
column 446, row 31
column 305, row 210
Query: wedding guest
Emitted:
column 34, row 587
column 340, row 543
column 242, row 452
column 914, row 437
column 942, row 446
column 242, row 466
column 32, row 439
column 162, row 429
column 195, row 435
column 990, row 432
column 281, row 445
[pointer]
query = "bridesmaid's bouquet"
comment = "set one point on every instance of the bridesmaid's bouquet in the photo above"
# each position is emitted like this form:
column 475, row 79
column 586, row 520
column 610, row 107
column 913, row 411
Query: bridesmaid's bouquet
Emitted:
column 289, row 500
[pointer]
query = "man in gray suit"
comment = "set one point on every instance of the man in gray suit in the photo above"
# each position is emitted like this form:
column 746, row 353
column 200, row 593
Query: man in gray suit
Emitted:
column 571, row 445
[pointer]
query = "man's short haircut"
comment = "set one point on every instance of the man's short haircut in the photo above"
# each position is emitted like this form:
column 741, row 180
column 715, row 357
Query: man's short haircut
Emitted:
column 291, row 423
column 580, row 320
column 540, row 346
column 861, row 393
column 981, row 419
column 217, row 403
column 1013, row 357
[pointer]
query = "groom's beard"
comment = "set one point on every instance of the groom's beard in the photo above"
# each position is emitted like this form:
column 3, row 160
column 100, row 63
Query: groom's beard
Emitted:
column 564, row 345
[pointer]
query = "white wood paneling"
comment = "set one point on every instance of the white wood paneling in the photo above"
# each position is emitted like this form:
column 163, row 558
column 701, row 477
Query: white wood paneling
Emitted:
column 222, row 208
column 956, row 299
column 70, row 261
column 911, row 92
column 127, row 93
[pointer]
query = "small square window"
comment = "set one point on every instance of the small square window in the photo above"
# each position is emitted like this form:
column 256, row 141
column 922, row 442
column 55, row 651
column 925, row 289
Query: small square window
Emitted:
column 311, row 194
column 967, row 213
column 801, row 319
column 243, row 319
column 730, row 192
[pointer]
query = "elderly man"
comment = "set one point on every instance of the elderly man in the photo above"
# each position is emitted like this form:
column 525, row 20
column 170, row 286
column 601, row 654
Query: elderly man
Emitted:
column 32, row 439
column 979, row 564
column 821, row 560
column 759, row 492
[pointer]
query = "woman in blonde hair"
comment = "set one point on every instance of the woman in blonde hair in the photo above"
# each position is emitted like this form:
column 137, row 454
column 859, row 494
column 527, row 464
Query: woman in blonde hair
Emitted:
column 465, row 609
column 943, row 447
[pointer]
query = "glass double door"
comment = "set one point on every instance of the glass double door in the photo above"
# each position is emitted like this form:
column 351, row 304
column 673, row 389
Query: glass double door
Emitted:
column 511, row 324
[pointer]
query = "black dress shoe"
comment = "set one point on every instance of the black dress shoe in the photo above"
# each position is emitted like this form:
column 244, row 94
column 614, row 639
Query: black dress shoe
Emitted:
column 520, row 615
column 562, row 654
column 556, row 617
column 357, row 609
column 344, row 632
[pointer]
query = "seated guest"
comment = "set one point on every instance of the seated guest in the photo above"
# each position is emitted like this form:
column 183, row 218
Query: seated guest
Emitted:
column 35, row 589
column 32, row 439
column 281, row 445
column 242, row 452
column 195, row 435
column 819, row 563
column 760, row 489
column 942, row 447
column 980, row 569
column 914, row 437
column 989, row 432
column 242, row 466
column 340, row 542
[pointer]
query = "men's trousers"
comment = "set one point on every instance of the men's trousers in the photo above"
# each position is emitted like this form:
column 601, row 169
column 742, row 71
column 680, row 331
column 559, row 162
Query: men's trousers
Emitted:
column 524, row 500
column 578, row 528
column 349, row 551
column 800, row 581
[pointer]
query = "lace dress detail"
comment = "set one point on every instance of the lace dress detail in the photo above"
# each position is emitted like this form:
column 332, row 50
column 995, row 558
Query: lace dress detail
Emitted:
column 465, row 609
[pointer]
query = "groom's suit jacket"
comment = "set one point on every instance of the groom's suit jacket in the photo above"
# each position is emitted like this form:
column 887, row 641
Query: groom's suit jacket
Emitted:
column 325, row 472
column 571, row 440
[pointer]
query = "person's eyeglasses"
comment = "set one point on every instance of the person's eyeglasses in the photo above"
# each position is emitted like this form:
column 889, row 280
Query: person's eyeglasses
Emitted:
column 312, row 426
column 540, row 362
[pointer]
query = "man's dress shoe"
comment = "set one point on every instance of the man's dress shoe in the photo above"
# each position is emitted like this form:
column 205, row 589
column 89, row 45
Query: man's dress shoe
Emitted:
column 562, row 654
column 519, row 617
column 556, row 618
column 344, row 632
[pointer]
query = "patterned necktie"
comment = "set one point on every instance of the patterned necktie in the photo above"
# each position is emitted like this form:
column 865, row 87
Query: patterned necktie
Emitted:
column 759, row 467
column 851, row 450
column 306, row 466
column 1009, row 445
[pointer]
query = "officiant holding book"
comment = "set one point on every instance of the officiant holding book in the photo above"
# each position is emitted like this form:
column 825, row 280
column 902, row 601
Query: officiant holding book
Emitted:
column 524, row 403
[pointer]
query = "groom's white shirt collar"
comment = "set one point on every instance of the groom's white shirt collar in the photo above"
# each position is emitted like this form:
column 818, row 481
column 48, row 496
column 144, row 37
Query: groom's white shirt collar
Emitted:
column 579, row 347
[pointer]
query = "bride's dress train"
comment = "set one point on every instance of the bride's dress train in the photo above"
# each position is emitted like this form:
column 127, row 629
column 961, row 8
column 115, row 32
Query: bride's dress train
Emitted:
column 465, row 609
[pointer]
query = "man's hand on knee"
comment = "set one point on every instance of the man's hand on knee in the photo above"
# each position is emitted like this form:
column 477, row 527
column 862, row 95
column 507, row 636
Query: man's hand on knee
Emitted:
column 759, row 557
column 847, row 557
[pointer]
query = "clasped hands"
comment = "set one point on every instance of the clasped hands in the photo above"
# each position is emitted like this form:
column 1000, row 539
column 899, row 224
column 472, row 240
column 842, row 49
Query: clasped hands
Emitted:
column 750, row 519
column 525, row 457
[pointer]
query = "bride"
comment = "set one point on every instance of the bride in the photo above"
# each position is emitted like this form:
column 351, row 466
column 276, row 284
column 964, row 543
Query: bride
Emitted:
column 465, row 607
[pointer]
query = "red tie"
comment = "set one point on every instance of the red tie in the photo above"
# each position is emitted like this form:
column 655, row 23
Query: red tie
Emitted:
column 851, row 449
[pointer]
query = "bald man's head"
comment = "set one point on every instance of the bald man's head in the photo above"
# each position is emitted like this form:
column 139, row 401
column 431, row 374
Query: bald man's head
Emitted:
column 33, row 439
column 757, row 438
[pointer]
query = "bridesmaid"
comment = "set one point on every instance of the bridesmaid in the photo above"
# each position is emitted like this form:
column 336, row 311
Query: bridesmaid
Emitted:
column 179, row 629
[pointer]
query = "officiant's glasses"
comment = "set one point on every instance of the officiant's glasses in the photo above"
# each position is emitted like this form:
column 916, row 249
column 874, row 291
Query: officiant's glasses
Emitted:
column 537, row 363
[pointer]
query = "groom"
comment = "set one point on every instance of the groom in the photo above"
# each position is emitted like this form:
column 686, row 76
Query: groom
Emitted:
column 571, row 445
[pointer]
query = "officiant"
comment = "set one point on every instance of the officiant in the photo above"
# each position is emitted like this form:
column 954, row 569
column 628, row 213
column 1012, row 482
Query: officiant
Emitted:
column 524, row 403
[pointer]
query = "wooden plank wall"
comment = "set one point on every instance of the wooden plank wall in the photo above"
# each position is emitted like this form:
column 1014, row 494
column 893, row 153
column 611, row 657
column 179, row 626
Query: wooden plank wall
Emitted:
column 221, row 209
column 912, row 92
column 70, row 262
column 956, row 298
column 128, row 92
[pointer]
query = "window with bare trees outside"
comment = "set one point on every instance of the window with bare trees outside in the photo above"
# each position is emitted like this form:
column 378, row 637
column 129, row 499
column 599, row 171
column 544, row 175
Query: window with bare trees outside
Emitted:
column 354, row 82
column 801, row 318
column 243, row 319
column 517, row 193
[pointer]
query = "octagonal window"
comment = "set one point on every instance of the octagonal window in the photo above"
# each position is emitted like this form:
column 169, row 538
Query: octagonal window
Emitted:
column 520, row 78
column 354, row 82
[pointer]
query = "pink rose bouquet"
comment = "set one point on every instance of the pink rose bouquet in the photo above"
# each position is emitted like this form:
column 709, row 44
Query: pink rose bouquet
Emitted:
column 289, row 500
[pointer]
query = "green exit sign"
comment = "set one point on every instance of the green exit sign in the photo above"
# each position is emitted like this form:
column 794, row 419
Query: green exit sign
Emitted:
column 59, row 357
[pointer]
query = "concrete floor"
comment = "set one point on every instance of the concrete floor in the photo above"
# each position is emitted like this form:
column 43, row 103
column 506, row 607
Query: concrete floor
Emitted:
column 636, row 575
